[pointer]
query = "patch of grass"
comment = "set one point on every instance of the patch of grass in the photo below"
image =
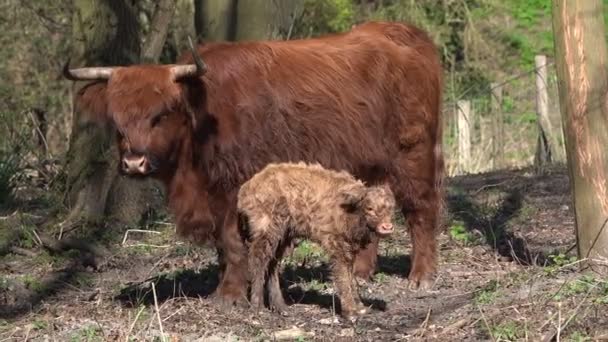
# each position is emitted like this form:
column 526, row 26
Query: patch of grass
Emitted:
column 307, row 250
column 488, row 293
column 316, row 285
column 83, row 280
column 558, row 261
column 381, row 277
column 507, row 331
column 461, row 234
column 585, row 284
column 39, row 324
column 89, row 333
column 33, row 284
column 4, row 284
column 8, row 168
column 181, row 250
column 578, row 336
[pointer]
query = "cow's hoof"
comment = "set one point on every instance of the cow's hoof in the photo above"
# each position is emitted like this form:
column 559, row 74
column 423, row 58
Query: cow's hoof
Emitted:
column 229, row 299
column 423, row 285
column 364, row 274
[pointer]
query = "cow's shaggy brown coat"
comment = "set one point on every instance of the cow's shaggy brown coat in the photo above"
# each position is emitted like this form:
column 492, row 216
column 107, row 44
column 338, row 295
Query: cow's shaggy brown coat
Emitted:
column 290, row 201
column 366, row 101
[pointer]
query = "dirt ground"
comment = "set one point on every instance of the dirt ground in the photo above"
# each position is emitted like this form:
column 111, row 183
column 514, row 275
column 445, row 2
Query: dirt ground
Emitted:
column 507, row 272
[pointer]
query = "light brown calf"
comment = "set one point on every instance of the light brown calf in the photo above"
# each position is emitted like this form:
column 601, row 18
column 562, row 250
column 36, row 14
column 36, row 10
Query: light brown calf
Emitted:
column 288, row 201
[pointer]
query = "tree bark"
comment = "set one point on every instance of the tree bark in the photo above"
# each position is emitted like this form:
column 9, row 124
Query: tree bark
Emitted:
column 106, row 32
column 266, row 19
column 214, row 20
column 159, row 26
column 583, row 86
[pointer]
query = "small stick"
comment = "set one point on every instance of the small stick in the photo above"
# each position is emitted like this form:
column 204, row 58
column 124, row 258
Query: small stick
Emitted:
column 124, row 240
column 485, row 321
column 425, row 322
column 133, row 324
column 160, row 322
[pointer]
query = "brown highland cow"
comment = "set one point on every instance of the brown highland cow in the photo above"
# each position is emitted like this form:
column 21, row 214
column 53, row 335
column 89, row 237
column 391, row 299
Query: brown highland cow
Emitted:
column 365, row 101
column 290, row 201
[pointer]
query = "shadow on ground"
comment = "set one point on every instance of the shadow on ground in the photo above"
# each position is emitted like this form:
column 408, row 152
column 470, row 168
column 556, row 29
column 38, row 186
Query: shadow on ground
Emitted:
column 494, row 227
column 79, row 255
column 186, row 283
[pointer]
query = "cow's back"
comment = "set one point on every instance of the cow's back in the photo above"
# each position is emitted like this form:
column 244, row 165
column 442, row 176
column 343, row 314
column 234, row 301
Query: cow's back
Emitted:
column 338, row 101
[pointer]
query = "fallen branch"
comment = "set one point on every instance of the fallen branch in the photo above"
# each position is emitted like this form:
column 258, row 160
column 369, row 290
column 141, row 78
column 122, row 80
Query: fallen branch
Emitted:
column 22, row 251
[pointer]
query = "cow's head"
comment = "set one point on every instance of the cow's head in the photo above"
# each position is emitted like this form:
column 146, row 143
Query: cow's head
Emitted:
column 153, row 108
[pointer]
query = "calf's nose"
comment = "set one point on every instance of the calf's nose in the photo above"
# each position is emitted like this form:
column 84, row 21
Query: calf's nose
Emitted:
column 134, row 164
column 386, row 227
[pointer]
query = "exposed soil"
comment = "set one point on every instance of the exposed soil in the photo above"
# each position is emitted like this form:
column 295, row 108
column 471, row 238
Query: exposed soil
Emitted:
column 506, row 273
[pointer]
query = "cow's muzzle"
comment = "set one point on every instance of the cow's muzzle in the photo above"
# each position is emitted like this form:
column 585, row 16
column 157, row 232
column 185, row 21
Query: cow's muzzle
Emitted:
column 135, row 164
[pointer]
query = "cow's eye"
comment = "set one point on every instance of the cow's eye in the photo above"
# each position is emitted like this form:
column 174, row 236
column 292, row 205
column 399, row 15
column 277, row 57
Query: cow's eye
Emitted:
column 158, row 118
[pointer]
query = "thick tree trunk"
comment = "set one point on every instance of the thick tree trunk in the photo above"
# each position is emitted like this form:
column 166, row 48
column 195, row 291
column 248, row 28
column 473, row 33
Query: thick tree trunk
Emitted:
column 583, row 85
column 214, row 19
column 231, row 20
column 106, row 33
column 264, row 19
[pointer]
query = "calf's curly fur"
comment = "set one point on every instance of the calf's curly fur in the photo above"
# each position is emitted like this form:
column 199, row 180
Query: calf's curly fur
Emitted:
column 287, row 201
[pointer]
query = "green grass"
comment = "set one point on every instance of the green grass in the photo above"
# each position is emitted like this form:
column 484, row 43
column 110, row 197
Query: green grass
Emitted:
column 307, row 250
column 488, row 294
column 460, row 233
column 507, row 331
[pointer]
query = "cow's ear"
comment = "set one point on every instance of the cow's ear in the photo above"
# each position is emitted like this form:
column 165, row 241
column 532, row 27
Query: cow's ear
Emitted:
column 194, row 96
column 352, row 196
column 91, row 104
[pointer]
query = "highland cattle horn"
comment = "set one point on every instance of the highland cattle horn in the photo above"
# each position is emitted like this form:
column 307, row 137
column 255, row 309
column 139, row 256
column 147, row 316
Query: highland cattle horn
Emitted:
column 191, row 70
column 84, row 74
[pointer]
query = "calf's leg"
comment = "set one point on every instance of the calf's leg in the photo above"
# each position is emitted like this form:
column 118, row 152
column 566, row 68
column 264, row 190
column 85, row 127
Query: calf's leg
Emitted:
column 262, row 250
column 275, row 296
column 366, row 258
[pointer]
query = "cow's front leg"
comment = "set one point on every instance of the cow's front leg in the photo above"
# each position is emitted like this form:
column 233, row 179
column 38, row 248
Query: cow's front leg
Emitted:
column 232, row 256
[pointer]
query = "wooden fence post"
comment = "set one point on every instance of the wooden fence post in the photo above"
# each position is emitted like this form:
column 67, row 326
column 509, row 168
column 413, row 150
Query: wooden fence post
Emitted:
column 498, row 141
column 464, row 136
column 546, row 138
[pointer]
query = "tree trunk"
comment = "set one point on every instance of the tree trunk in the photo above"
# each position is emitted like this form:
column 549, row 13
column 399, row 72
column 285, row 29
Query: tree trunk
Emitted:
column 265, row 19
column 106, row 33
column 214, row 19
column 231, row 20
column 159, row 26
column 583, row 85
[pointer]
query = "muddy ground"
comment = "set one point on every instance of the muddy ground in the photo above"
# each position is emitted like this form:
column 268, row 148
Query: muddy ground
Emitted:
column 507, row 272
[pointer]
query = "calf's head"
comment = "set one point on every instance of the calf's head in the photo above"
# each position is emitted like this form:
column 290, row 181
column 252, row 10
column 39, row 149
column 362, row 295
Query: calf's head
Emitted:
column 375, row 204
column 152, row 108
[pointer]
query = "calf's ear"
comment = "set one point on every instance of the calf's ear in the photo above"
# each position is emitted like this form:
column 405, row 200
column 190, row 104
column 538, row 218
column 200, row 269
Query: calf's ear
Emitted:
column 91, row 105
column 351, row 196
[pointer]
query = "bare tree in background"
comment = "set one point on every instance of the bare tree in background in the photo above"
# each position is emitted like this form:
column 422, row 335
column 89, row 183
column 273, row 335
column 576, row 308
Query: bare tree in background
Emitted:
column 581, row 56
column 108, row 33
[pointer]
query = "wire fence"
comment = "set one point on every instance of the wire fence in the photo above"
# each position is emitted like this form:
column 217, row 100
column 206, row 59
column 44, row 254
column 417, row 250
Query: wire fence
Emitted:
column 501, row 128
